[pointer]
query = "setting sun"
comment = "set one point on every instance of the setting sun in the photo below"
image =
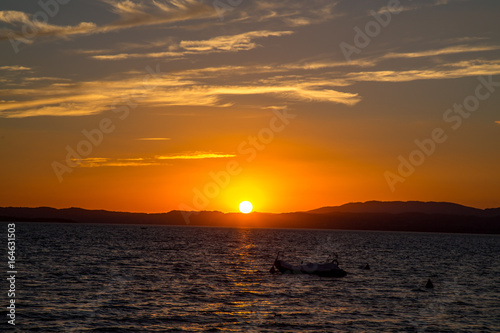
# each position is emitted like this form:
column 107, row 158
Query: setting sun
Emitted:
column 246, row 207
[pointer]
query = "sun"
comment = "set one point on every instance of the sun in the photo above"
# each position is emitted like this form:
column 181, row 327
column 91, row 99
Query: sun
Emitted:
column 246, row 207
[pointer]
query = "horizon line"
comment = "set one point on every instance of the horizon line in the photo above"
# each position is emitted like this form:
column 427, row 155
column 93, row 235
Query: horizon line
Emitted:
column 253, row 212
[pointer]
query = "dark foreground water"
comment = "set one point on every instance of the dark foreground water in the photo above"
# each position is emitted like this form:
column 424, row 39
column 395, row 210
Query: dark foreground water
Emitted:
column 109, row 278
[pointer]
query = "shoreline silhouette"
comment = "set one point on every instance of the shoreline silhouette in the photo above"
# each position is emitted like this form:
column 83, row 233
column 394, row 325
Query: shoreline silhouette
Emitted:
column 413, row 216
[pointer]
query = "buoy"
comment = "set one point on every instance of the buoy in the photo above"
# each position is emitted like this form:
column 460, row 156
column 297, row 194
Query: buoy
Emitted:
column 429, row 284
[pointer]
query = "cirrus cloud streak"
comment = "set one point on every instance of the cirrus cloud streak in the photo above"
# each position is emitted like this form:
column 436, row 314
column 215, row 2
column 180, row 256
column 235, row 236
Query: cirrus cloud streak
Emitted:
column 130, row 15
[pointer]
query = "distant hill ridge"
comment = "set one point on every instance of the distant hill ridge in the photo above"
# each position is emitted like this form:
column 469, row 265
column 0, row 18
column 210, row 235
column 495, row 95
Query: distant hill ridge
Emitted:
column 371, row 215
column 397, row 207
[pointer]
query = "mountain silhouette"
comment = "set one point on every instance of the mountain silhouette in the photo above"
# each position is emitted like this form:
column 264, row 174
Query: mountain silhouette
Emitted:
column 396, row 207
column 371, row 215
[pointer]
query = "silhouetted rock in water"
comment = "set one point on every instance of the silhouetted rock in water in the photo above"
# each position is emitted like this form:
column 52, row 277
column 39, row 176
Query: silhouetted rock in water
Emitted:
column 429, row 284
column 365, row 266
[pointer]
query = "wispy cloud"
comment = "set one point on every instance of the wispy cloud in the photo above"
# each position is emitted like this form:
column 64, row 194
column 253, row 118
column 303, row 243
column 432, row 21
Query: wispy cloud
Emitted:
column 123, row 56
column 91, row 97
column 443, row 51
column 417, row 6
column 82, row 98
column 232, row 43
column 21, row 76
column 98, row 162
column 228, row 43
column 14, row 68
column 448, row 71
column 196, row 156
column 312, row 72
column 154, row 139
column 304, row 80
column 46, row 78
column 131, row 14
column 296, row 91
column 291, row 13
column 19, row 20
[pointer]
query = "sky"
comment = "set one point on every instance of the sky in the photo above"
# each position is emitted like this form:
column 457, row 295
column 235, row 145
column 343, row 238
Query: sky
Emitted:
column 152, row 106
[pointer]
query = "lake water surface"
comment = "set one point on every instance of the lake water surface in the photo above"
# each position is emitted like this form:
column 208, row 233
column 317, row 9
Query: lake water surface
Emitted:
column 115, row 278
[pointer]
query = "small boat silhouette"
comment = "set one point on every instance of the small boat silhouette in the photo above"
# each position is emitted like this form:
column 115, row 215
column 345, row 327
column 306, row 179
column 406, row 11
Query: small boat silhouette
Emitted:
column 327, row 269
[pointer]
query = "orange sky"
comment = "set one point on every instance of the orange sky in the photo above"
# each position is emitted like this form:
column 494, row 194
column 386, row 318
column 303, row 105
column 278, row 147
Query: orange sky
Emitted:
column 179, row 105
